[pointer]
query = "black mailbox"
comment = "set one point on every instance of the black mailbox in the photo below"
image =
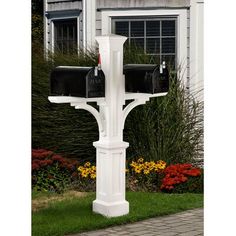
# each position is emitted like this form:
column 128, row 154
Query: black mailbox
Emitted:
column 144, row 78
column 75, row 81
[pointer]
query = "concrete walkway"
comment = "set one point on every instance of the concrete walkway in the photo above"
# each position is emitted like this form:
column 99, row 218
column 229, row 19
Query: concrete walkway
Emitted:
column 187, row 223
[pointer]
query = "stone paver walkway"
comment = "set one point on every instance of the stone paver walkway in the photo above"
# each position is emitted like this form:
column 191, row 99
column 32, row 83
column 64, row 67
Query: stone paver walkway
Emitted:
column 187, row 223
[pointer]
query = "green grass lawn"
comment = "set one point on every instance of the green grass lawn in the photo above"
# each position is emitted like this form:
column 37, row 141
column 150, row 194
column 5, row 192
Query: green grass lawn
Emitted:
column 75, row 214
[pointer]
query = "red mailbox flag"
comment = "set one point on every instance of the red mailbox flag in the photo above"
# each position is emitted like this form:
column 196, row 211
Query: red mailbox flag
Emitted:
column 99, row 62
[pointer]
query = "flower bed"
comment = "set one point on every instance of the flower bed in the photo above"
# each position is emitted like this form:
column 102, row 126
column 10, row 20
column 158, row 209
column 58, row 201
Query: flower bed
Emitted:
column 182, row 178
column 52, row 172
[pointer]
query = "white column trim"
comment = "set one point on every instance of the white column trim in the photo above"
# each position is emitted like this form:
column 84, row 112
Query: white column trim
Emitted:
column 94, row 112
column 89, row 23
column 131, row 106
column 196, row 46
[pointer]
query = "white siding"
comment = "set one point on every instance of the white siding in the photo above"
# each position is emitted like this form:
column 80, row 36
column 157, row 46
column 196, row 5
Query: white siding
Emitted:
column 64, row 5
column 142, row 3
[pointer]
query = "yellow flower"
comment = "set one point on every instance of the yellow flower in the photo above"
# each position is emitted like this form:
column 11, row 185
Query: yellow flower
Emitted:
column 137, row 170
column 146, row 172
column 93, row 176
column 161, row 165
column 87, row 164
column 133, row 164
column 80, row 168
column 93, row 168
column 84, row 174
column 140, row 160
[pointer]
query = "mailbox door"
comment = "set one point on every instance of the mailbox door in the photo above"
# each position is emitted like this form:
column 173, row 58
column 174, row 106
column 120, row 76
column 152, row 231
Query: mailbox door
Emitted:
column 162, row 82
column 95, row 84
column 69, row 81
column 139, row 78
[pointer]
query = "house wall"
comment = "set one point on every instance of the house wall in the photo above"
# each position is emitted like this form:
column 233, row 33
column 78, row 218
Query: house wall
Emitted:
column 60, row 9
column 108, row 4
column 104, row 5
column 58, row 5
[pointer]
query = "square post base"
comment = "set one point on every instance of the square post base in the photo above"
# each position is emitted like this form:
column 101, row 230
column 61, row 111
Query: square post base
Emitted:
column 110, row 183
column 111, row 209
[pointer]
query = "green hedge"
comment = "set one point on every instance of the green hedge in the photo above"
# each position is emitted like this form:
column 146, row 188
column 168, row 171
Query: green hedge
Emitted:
column 168, row 128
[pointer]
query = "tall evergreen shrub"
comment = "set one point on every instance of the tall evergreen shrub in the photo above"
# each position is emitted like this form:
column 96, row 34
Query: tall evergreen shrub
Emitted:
column 59, row 127
column 169, row 128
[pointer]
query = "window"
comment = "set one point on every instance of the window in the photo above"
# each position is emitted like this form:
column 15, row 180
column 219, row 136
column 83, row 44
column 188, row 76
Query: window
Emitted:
column 156, row 37
column 65, row 35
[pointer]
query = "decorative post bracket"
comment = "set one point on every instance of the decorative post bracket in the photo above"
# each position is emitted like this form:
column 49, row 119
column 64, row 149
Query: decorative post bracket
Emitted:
column 110, row 148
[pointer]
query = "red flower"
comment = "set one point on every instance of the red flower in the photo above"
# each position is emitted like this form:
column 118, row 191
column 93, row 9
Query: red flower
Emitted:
column 35, row 166
column 41, row 153
column 176, row 174
column 43, row 163
column 57, row 158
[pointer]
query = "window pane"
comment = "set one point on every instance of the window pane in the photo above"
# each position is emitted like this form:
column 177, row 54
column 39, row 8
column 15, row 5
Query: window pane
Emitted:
column 58, row 33
column 137, row 28
column 65, row 29
column 122, row 28
column 154, row 59
column 58, row 45
column 168, row 28
column 71, row 32
column 168, row 45
column 137, row 43
column 65, row 35
column 153, row 45
column 153, row 28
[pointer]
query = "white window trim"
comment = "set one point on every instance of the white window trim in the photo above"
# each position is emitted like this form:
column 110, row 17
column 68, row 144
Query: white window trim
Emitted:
column 53, row 29
column 89, row 24
column 181, row 15
column 196, row 46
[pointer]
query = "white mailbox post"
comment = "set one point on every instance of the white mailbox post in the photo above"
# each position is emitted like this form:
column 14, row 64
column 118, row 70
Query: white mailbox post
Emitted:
column 110, row 148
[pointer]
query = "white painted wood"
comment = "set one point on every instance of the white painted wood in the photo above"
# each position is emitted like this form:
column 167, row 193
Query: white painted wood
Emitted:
column 69, row 99
column 94, row 112
column 110, row 148
column 46, row 29
column 89, row 24
column 130, row 96
column 196, row 47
